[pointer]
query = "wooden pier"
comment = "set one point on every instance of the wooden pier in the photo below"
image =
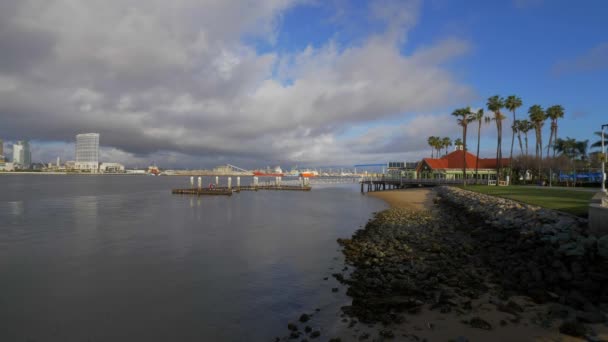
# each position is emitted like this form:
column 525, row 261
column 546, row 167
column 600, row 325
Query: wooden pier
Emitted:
column 390, row 183
column 228, row 191
column 214, row 189
column 199, row 192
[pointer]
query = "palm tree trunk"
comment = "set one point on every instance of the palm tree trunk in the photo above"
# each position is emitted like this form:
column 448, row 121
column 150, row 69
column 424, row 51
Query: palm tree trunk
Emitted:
column 477, row 159
column 540, row 151
column 555, row 137
column 498, row 149
column 512, row 142
column 521, row 148
column 550, row 137
column 464, row 155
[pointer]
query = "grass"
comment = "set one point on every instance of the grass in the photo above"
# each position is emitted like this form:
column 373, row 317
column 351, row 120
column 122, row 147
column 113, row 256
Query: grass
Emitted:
column 570, row 201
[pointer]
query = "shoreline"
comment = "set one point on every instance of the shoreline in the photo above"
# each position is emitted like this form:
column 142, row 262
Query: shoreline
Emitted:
column 412, row 198
column 419, row 274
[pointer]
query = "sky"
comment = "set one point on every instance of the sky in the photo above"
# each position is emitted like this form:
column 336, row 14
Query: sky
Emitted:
column 199, row 83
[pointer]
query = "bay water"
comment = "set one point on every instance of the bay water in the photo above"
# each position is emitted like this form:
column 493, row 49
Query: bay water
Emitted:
column 119, row 258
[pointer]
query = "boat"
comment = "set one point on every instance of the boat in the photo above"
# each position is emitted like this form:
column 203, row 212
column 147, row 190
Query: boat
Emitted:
column 293, row 173
column 308, row 174
column 277, row 172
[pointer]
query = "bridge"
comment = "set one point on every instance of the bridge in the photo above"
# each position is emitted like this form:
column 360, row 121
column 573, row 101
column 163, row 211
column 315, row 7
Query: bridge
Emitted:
column 388, row 182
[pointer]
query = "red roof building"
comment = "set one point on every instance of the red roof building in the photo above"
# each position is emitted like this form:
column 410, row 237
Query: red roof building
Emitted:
column 450, row 166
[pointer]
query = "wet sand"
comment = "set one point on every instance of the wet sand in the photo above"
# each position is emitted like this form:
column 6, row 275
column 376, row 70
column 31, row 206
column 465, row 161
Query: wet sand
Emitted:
column 418, row 199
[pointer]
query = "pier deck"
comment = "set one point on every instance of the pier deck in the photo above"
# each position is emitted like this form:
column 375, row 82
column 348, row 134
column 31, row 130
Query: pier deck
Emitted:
column 389, row 183
column 228, row 191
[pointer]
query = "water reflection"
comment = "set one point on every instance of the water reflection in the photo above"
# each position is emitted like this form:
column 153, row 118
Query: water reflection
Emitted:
column 16, row 208
column 85, row 211
column 108, row 255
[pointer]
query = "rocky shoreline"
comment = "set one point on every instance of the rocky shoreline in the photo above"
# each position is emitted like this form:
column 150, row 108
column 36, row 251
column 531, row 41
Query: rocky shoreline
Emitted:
column 487, row 263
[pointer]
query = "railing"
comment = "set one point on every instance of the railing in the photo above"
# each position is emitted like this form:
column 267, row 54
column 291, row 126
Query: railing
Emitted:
column 425, row 181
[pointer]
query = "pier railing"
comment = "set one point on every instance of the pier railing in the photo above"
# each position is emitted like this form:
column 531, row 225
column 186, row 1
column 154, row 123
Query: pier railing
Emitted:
column 422, row 181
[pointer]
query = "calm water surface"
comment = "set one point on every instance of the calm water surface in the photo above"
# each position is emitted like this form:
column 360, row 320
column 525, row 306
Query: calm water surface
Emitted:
column 118, row 258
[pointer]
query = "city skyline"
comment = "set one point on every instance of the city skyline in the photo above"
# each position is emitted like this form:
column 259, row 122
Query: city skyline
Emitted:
column 289, row 82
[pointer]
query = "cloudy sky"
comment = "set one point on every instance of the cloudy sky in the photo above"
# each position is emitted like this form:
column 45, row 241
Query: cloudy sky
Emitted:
column 197, row 83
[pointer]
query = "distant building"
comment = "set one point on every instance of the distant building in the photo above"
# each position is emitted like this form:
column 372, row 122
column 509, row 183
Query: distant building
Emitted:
column 1, row 150
column 111, row 168
column 22, row 156
column 4, row 166
column 402, row 169
column 87, row 152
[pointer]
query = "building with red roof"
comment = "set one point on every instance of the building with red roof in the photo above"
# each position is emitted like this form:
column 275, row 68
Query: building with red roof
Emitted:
column 450, row 166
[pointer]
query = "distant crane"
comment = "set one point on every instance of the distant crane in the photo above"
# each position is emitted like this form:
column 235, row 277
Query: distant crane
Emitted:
column 237, row 168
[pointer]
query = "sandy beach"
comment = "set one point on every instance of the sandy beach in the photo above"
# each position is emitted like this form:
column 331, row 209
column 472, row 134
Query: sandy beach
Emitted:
column 417, row 199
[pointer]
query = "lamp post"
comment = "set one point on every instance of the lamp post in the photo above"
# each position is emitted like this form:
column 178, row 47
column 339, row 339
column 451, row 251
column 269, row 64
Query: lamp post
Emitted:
column 603, row 161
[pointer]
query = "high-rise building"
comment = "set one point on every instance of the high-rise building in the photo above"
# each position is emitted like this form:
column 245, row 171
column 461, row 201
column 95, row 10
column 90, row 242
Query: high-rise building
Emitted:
column 22, row 156
column 1, row 150
column 87, row 152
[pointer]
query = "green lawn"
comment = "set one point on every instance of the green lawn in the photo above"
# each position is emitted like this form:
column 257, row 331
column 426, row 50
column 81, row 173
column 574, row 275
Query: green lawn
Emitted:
column 575, row 202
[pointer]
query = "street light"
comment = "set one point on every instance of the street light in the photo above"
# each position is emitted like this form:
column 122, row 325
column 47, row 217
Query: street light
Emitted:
column 603, row 161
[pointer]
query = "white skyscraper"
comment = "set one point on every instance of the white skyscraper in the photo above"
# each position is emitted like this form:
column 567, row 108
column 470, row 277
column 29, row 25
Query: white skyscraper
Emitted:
column 22, row 156
column 87, row 152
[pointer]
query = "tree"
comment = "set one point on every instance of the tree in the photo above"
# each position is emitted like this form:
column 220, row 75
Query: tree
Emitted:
column 446, row 142
column 479, row 118
column 495, row 104
column 512, row 103
column 525, row 126
column 538, row 117
column 572, row 149
column 438, row 146
column 517, row 129
column 598, row 143
column 463, row 117
column 432, row 142
column 554, row 113
column 458, row 142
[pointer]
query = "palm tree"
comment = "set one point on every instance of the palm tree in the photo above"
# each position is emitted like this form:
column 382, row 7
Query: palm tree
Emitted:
column 479, row 118
column 554, row 113
column 463, row 117
column 431, row 142
column 446, row 142
column 512, row 103
column 572, row 149
column 598, row 143
column 495, row 104
column 538, row 117
column 458, row 142
column 525, row 126
column 517, row 129
column 581, row 148
column 439, row 146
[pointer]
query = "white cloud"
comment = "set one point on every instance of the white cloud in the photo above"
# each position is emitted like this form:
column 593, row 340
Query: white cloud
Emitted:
column 175, row 82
